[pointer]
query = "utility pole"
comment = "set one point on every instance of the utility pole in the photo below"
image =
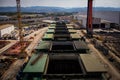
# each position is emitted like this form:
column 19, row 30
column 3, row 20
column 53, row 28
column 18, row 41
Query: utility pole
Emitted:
column 19, row 20
column 89, row 27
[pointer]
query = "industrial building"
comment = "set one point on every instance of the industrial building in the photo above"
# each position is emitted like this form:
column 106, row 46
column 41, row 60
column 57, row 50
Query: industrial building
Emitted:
column 4, row 18
column 6, row 29
column 83, row 20
column 111, row 18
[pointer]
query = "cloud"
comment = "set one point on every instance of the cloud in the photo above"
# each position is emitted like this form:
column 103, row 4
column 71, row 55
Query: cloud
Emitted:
column 62, row 3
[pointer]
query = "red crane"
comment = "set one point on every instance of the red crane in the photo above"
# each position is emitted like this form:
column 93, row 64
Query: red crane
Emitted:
column 89, row 27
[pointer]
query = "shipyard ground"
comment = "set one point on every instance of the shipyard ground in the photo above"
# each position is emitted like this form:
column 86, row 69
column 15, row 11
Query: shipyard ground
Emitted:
column 15, row 66
column 10, row 74
column 113, row 72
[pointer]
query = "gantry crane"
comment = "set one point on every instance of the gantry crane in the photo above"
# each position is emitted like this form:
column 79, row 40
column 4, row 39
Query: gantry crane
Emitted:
column 19, row 20
column 89, row 27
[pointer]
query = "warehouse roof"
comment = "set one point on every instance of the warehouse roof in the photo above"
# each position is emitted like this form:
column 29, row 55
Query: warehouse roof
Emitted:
column 5, row 26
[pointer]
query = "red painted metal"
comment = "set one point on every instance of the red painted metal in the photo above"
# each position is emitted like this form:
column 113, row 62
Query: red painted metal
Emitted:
column 89, row 18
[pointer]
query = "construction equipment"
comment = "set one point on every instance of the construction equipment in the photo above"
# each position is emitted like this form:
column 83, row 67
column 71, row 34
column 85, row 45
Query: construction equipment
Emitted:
column 20, row 25
column 89, row 19
column 19, row 20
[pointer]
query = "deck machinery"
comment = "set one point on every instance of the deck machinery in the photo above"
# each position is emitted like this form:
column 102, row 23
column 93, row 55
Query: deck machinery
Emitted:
column 61, row 54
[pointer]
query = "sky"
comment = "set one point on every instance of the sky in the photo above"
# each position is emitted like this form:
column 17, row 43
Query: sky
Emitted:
column 61, row 3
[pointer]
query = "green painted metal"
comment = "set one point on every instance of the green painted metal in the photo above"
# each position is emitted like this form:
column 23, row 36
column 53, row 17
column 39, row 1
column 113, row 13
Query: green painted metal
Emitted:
column 38, row 67
column 52, row 25
column 51, row 31
column 43, row 45
column 48, row 37
column 69, row 27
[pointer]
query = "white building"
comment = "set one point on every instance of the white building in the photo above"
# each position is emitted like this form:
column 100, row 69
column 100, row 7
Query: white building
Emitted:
column 49, row 21
column 6, row 29
column 105, row 24
column 2, row 18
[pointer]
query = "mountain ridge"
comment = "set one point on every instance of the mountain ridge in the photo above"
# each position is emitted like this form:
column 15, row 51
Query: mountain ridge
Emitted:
column 55, row 9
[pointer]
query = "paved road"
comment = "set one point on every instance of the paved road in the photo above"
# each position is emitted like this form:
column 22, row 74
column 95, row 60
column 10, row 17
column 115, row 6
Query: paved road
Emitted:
column 10, row 74
column 35, row 41
column 12, row 42
column 110, row 68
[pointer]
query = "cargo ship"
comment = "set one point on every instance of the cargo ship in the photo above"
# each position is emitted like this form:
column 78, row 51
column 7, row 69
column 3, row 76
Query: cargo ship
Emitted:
column 62, row 55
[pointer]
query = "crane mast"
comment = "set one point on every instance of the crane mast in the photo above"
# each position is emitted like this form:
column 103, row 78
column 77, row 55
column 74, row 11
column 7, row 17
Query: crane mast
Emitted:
column 19, row 20
column 89, row 27
column 20, row 26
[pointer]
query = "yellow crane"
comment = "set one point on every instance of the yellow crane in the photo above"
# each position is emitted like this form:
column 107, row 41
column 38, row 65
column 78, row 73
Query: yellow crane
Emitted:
column 20, row 29
column 19, row 20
